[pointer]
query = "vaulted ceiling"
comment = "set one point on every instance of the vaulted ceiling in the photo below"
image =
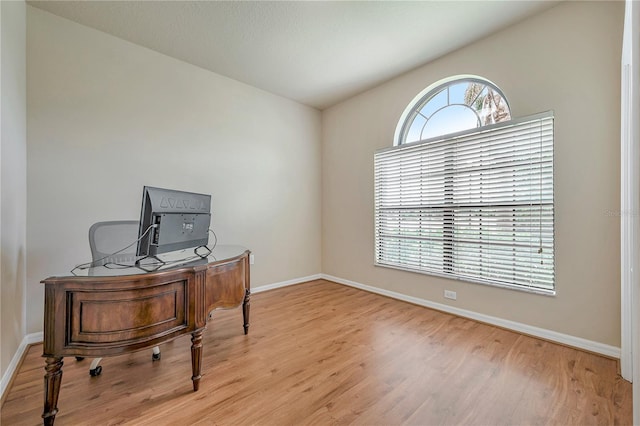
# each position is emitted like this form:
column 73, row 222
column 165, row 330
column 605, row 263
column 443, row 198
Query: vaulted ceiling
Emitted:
column 316, row 53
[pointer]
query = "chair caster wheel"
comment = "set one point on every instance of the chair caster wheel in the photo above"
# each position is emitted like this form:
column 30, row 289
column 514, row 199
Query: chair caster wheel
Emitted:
column 155, row 357
column 96, row 371
column 79, row 358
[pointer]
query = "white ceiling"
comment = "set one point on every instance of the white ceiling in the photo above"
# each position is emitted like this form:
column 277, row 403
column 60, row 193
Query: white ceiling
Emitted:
column 317, row 53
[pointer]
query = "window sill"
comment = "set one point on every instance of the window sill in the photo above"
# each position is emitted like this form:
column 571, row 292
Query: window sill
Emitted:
column 491, row 283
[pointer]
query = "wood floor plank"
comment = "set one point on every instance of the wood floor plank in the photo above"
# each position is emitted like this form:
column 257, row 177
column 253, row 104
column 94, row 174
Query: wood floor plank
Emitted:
column 321, row 353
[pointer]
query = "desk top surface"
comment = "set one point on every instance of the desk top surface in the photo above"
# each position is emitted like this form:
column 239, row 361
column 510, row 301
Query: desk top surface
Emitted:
column 163, row 262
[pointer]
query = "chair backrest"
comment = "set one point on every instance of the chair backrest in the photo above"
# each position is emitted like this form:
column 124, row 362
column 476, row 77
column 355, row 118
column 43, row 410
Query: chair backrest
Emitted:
column 106, row 238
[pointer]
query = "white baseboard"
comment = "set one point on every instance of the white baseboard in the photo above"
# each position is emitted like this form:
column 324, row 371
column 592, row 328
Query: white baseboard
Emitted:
column 565, row 339
column 34, row 338
column 29, row 339
column 285, row 283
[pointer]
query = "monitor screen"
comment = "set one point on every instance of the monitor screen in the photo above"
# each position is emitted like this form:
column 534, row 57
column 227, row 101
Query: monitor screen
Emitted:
column 172, row 220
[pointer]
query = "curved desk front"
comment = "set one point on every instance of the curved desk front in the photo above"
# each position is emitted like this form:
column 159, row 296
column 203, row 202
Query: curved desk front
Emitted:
column 106, row 311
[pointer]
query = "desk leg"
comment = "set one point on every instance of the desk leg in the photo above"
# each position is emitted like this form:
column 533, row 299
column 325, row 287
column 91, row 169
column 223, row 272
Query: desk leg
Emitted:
column 52, row 381
column 196, row 358
column 245, row 310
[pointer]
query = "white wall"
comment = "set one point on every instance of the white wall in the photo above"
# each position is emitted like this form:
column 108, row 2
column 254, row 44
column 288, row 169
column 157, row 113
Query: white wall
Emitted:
column 13, row 181
column 106, row 117
column 566, row 59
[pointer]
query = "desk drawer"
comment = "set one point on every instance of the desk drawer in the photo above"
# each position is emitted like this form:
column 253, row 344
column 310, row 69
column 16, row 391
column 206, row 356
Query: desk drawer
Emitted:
column 113, row 317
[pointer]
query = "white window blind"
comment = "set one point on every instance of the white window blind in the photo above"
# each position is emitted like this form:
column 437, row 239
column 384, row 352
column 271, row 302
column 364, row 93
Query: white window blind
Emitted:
column 476, row 206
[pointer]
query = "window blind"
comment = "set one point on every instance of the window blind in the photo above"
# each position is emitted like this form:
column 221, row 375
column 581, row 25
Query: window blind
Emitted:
column 476, row 206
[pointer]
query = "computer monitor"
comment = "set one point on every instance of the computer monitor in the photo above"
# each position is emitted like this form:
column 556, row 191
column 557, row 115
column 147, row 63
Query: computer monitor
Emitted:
column 172, row 220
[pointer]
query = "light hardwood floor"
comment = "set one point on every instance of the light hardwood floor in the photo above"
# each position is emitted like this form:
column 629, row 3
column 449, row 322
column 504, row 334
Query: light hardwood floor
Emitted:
column 322, row 353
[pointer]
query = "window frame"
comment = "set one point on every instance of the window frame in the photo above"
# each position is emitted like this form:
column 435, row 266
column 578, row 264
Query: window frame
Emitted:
column 407, row 118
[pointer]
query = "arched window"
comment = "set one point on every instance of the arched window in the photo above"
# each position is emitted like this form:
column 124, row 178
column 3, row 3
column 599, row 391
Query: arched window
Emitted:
column 467, row 191
column 453, row 106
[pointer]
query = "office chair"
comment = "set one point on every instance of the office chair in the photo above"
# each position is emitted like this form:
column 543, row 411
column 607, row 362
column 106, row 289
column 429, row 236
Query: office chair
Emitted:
column 105, row 239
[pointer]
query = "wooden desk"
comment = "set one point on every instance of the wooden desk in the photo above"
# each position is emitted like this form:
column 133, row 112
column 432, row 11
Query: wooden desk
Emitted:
column 107, row 312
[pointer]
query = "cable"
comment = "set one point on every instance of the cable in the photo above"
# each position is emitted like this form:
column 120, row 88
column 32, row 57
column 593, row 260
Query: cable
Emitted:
column 209, row 250
column 91, row 264
column 186, row 259
column 114, row 265
column 215, row 241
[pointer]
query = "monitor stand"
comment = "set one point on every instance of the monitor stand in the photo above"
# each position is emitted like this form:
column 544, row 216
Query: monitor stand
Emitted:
column 202, row 256
column 151, row 266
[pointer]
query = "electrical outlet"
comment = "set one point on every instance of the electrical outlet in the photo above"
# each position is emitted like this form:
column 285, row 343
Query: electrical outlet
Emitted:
column 252, row 260
column 448, row 294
